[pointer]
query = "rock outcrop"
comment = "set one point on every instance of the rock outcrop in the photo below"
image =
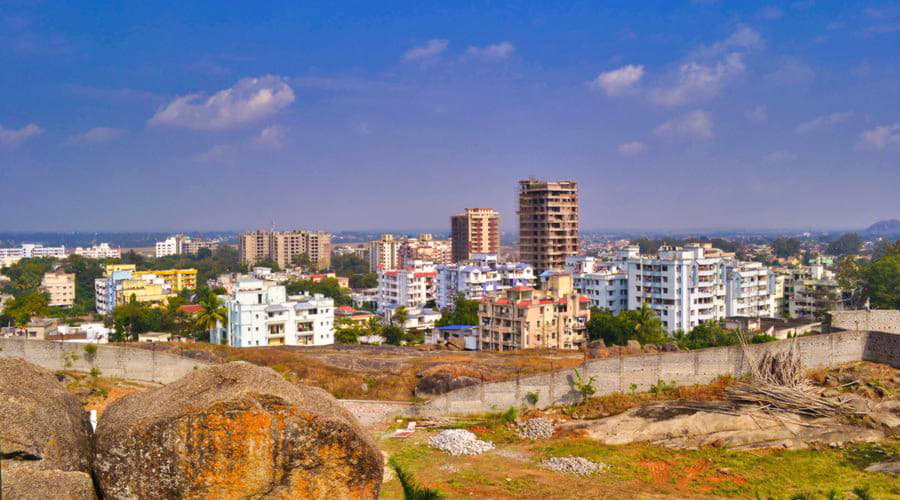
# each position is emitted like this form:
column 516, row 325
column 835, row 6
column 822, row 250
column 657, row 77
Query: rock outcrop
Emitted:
column 45, row 435
column 444, row 378
column 676, row 427
column 234, row 430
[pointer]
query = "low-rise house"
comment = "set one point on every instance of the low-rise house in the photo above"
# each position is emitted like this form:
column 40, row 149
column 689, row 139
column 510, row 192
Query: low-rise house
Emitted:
column 458, row 337
column 773, row 327
column 421, row 319
column 154, row 337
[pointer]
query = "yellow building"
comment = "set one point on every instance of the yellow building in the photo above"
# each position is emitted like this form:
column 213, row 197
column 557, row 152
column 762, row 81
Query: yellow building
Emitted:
column 177, row 279
column 112, row 268
column 149, row 292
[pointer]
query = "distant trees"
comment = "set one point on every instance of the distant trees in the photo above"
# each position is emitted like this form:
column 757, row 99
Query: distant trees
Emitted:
column 356, row 269
column 847, row 244
column 21, row 308
column 365, row 280
column 877, row 281
column 709, row 334
column 328, row 287
column 785, row 247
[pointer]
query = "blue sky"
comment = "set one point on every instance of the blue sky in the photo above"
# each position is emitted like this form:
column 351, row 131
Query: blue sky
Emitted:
column 356, row 115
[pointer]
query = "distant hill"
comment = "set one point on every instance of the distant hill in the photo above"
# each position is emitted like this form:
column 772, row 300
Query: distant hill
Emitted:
column 889, row 227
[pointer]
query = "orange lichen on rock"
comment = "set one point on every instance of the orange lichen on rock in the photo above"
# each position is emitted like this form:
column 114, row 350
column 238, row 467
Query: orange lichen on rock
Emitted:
column 234, row 431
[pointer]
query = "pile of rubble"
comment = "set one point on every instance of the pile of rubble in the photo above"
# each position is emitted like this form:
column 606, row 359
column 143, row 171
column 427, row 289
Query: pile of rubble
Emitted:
column 573, row 465
column 459, row 442
column 536, row 428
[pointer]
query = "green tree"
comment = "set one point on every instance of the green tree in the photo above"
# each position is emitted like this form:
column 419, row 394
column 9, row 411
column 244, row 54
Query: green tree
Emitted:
column 847, row 244
column 881, row 282
column 304, row 262
column 22, row 308
column 399, row 316
column 213, row 313
column 328, row 287
column 648, row 328
column 709, row 334
column 611, row 328
column 364, row 280
column 393, row 334
column 349, row 265
column 785, row 247
column 463, row 312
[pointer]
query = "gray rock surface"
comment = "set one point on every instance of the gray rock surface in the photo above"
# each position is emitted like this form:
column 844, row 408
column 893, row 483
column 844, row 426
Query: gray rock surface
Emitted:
column 45, row 435
column 234, row 430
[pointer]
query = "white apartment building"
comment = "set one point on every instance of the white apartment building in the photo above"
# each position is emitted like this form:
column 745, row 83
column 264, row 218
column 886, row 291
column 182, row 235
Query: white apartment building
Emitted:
column 413, row 286
column 683, row 285
column 417, row 318
column 481, row 275
column 261, row 315
column 101, row 251
column 750, row 290
column 170, row 246
column 31, row 250
column 605, row 284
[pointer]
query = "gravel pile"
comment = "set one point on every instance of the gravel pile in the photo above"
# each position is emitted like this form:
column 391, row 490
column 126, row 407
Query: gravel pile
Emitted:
column 536, row 428
column 459, row 442
column 573, row 465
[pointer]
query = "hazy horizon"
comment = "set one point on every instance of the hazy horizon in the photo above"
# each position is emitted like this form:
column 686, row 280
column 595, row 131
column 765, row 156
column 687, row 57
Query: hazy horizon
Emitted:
column 362, row 115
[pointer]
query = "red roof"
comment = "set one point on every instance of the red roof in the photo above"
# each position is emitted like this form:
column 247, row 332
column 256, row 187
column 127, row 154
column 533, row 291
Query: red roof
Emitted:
column 191, row 308
column 426, row 275
column 503, row 302
column 563, row 300
column 520, row 288
column 546, row 301
column 391, row 273
column 348, row 309
column 584, row 299
column 523, row 303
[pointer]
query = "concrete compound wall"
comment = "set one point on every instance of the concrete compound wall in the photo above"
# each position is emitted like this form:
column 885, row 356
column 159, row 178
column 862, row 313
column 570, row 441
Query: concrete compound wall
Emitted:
column 878, row 320
column 112, row 361
column 684, row 368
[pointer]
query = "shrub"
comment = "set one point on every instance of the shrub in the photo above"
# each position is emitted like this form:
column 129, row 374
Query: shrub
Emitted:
column 510, row 415
column 586, row 388
column 532, row 397
column 90, row 349
column 411, row 489
column 95, row 372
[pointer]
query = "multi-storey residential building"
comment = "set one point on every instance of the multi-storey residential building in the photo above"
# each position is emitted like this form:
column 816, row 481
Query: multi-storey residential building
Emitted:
column 60, row 286
column 682, row 285
column 481, row 275
column 605, row 284
column 262, row 315
column 425, row 247
column 477, row 230
column 286, row 247
column 412, row 286
column 122, row 283
column 10, row 256
column 750, row 290
column 548, row 223
column 420, row 319
column 101, row 251
column 183, row 244
column 813, row 291
column 384, row 254
column 525, row 318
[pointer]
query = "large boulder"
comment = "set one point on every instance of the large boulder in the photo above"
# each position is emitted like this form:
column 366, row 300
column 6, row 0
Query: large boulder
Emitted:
column 234, row 430
column 45, row 436
column 444, row 378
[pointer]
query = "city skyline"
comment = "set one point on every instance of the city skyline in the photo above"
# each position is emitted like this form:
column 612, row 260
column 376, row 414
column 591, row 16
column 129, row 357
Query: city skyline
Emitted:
column 695, row 115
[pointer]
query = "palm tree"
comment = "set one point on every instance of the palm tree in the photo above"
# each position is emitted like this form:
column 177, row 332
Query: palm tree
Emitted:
column 400, row 316
column 213, row 313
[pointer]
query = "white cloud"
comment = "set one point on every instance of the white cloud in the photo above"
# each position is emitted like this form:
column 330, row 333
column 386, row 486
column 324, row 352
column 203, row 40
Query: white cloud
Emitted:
column 791, row 73
column 758, row 114
column 632, row 148
column 697, row 81
column 96, row 135
column 249, row 100
column 824, row 121
column 216, row 153
column 744, row 38
column 781, row 156
column 770, row 12
column 270, row 137
column 880, row 138
column 423, row 53
column 619, row 81
column 694, row 125
column 496, row 52
column 11, row 137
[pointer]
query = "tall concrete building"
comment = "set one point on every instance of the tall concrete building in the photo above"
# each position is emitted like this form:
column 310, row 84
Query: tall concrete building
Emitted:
column 384, row 254
column 60, row 286
column 284, row 247
column 477, row 230
column 548, row 223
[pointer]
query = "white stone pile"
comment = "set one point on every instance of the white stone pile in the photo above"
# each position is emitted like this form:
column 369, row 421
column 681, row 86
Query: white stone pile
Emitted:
column 536, row 428
column 573, row 465
column 459, row 442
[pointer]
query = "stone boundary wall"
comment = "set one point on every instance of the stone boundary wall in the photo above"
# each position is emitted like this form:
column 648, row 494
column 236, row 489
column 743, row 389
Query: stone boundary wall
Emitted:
column 685, row 368
column 876, row 320
column 113, row 361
